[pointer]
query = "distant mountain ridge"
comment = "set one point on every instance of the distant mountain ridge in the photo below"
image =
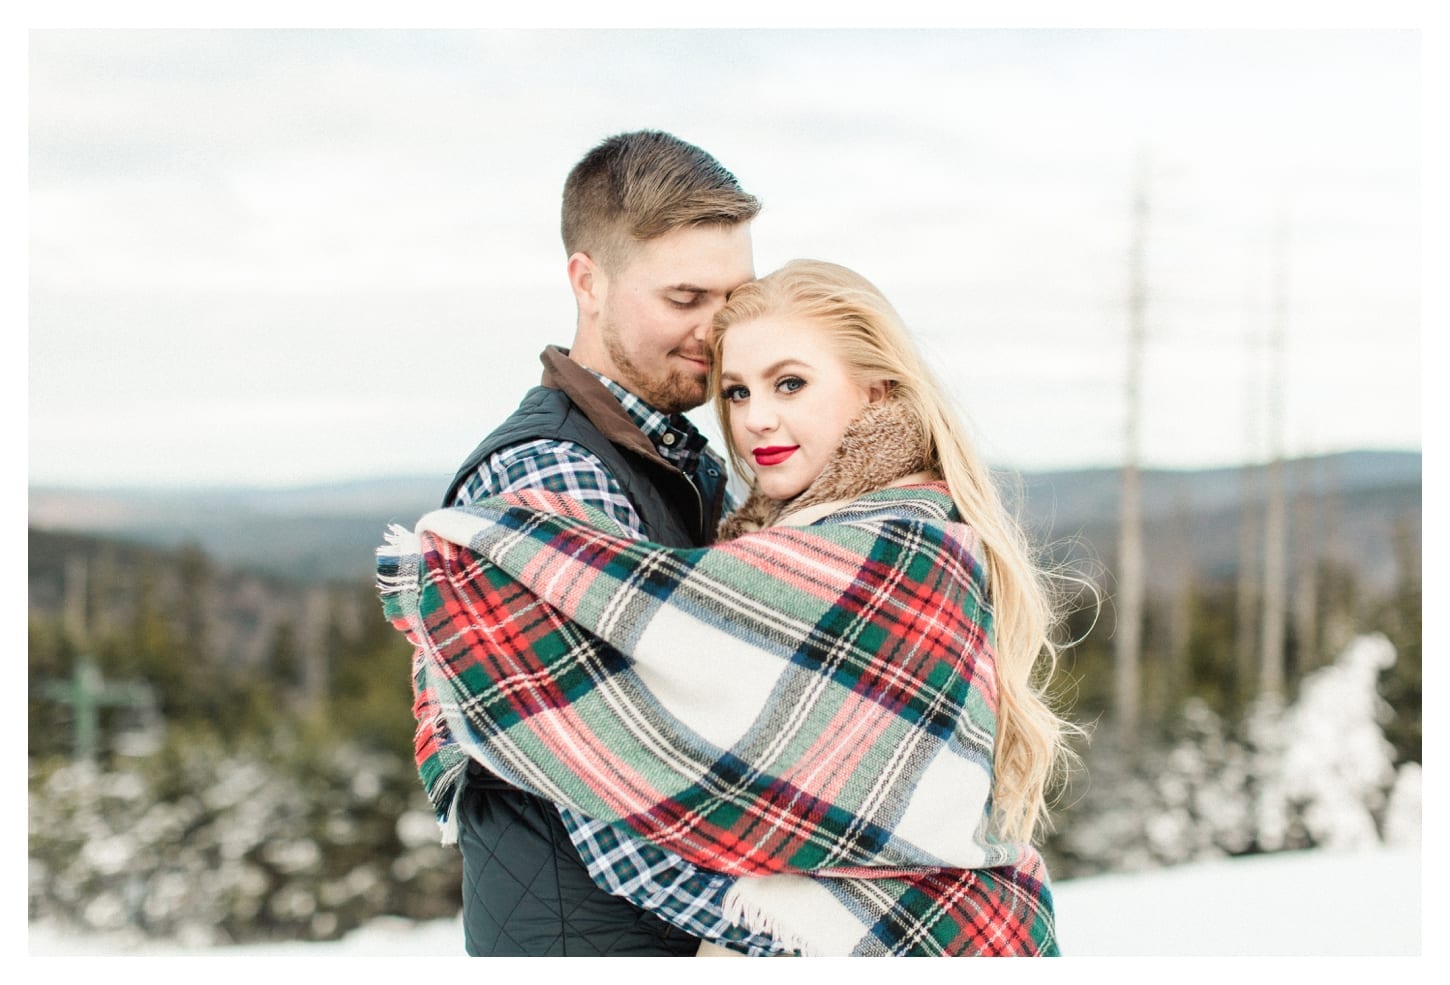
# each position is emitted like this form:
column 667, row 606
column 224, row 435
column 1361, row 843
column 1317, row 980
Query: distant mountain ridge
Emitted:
column 329, row 531
column 1091, row 495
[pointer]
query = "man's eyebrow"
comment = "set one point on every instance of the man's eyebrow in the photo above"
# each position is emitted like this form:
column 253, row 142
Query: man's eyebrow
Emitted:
column 688, row 288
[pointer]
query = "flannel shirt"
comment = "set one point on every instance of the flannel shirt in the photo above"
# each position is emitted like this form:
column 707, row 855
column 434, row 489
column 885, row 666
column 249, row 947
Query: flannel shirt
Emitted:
column 619, row 862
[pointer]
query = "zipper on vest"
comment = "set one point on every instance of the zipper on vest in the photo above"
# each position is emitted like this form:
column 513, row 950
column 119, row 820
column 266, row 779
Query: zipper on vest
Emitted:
column 705, row 537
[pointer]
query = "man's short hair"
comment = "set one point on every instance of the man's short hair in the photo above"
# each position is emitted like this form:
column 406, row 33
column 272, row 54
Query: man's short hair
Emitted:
column 636, row 186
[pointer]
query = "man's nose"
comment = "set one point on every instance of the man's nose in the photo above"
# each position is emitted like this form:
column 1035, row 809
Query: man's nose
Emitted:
column 700, row 331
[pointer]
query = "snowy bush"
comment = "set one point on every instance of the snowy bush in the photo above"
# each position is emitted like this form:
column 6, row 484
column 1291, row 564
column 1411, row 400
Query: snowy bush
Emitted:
column 1402, row 814
column 208, row 847
column 1182, row 803
column 1328, row 779
column 1318, row 773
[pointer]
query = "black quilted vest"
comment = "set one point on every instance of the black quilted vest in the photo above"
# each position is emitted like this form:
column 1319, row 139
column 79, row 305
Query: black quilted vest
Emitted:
column 526, row 891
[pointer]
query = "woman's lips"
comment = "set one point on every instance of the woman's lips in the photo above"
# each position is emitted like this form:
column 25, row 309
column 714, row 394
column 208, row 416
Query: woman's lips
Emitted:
column 773, row 455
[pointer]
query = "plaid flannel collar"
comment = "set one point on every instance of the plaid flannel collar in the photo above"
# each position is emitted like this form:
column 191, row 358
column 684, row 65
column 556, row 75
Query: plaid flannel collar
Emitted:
column 673, row 435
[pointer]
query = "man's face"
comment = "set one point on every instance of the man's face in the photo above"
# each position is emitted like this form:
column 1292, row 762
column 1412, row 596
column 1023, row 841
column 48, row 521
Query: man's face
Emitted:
column 656, row 311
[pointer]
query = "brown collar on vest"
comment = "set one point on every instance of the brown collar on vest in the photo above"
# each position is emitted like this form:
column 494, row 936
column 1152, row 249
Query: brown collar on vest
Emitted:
column 598, row 404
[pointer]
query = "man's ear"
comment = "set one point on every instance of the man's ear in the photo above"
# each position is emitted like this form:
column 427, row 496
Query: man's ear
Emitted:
column 588, row 282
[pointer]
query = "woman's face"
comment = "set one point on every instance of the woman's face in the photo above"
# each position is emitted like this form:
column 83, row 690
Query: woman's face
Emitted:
column 790, row 397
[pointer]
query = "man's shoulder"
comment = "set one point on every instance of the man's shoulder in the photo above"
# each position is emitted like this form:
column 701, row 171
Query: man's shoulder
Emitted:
column 538, row 400
column 545, row 414
column 532, row 436
column 543, row 451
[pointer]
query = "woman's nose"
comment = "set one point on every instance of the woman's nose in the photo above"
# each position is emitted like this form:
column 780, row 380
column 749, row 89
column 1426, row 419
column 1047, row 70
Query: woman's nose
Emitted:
column 760, row 418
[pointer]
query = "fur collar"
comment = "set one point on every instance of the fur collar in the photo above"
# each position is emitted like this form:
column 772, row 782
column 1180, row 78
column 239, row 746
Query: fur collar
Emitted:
column 880, row 447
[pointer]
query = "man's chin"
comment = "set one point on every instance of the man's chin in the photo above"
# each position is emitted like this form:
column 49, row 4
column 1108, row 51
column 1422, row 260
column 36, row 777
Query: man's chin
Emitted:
column 682, row 395
column 680, row 406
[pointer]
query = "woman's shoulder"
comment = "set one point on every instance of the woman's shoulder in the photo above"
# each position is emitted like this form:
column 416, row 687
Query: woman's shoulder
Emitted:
column 926, row 501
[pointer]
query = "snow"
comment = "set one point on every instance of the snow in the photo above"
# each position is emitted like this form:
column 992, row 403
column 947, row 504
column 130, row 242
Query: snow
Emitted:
column 1327, row 904
column 1287, row 904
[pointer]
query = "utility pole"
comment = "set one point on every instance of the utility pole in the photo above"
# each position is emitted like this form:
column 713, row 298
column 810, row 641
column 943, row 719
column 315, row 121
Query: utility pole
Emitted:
column 1128, row 636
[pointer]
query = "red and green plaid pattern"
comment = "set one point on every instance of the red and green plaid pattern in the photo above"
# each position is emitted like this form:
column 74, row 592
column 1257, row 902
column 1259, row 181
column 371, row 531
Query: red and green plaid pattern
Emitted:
column 811, row 710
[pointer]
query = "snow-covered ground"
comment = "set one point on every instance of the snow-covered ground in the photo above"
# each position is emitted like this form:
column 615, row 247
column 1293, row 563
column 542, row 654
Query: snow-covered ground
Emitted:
column 1288, row 904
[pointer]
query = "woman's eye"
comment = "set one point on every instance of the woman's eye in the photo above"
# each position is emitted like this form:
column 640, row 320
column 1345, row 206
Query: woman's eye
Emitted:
column 790, row 384
column 734, row 394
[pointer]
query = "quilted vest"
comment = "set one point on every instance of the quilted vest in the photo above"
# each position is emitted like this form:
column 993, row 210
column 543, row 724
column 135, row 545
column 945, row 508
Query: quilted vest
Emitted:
column 526, row 891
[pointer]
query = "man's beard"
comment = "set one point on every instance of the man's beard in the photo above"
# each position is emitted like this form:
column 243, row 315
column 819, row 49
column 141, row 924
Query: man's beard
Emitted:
column 676, row 393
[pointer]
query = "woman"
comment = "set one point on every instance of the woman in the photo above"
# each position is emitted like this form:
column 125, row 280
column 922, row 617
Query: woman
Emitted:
column 833, row 709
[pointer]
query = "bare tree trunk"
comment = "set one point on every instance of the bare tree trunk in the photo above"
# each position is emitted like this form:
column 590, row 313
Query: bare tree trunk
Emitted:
column 1271, row 656
column 104, row 578
column 1336, row 600
column 1127, row 638
column 312, row 645
column 76, row 619
column 1180, row 608
column 1250, row 536
column 1248, row 582
column 1306, row 570
column 1128, row 634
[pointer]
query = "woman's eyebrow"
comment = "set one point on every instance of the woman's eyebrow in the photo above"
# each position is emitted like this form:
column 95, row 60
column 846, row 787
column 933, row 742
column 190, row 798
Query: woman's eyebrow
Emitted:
column 776, row 367
column 770, row 370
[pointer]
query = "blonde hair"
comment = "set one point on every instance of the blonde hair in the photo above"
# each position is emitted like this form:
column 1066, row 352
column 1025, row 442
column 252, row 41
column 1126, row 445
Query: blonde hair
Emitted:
column 637, row 186
column 1031, row 749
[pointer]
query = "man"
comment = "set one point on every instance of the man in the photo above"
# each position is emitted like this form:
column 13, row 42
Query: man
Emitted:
column 657, row 234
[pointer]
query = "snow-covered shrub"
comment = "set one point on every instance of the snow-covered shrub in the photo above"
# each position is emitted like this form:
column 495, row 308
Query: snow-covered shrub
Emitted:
column 1318, row 773
column 1333, row 768
column 1402, row 814
column 1180, row 803
column 207, row 846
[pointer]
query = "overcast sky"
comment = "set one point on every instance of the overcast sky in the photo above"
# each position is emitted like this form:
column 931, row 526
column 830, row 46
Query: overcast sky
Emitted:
column 273, row 257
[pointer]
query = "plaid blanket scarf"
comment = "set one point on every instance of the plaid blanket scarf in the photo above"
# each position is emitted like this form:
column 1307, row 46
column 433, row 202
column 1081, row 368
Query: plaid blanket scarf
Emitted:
column 808, row 710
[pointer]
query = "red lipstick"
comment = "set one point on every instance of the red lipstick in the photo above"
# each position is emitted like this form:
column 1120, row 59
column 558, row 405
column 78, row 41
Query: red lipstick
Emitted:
column 773, row 455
